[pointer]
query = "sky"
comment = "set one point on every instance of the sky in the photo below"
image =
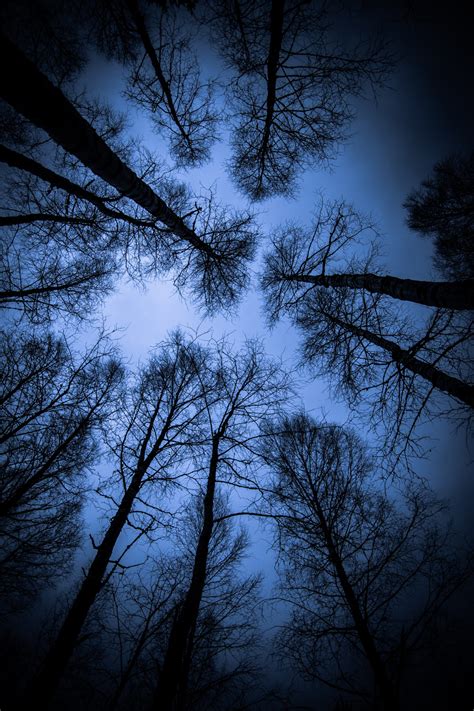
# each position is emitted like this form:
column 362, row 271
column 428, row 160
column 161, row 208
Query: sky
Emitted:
column 424, row 114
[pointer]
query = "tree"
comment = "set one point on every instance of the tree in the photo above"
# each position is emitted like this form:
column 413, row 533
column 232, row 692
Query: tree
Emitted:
column 213, row 261
column 221, row 668
column 302, row 259
column 53, row 403
column 161, row 411
column 292, row 90
column 245, row 388
column 379, row 359
column 443, row 208
column 164, row 77
column 366, row 577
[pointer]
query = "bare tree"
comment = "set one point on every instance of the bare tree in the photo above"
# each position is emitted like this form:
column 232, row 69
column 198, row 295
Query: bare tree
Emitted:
column 52, row 404
column 160, row 412
column 303, row 259
column 247, row 387
column 387, row 362
column 443, row 208
column 164, row 77
column 221, row 668
column 292, row 89
column 213, row 261
column 366, row 578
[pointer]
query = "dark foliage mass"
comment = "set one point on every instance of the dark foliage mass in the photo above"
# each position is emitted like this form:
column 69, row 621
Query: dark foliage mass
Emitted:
column 127, row 578
column 442, row 208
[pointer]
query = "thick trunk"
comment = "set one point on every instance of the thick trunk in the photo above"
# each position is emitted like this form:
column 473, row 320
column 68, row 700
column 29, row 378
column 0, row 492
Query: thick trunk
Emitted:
column 31, row 93
column 438, row 378
column 172, row 684
column 444, row 294
column 276, row 31
column 382, row 680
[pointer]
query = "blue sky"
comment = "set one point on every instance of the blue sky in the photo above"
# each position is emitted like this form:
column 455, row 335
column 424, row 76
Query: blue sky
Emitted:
column 423, row 115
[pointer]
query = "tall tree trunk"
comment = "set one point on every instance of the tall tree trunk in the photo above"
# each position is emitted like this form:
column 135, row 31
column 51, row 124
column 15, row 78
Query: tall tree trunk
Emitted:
column 276, row 31
column 382, row 680
column 438, row 378
column 172, row 684
column 444, row 294
column 13, row 220
column 31, row 93
column 44, row 686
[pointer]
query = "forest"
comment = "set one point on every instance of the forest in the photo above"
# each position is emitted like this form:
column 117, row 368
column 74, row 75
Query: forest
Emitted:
column 237, row 293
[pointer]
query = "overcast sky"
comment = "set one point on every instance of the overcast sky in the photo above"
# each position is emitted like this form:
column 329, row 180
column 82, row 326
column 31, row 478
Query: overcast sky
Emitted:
column 424, row 114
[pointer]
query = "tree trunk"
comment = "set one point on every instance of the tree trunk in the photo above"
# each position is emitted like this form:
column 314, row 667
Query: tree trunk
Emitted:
column 382, row 680
column 19, row 294
column 276, row 30
column 444, row 294
column 172, row 684
column 31, row 93
column 18, row 160
column 13, row 220
column 44, row 686
column 46, row 682
column 438, row 378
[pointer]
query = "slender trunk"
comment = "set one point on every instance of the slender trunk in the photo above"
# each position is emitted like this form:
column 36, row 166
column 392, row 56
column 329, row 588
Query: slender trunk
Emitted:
column 365, row 636
column 31, row 93
column 18, row 160
column 12, row 220
column 150, row 50
column 7, row 505
column 172, row 684
column 276, row 32
column 444, row 294
column 18, row 294
column 130, row 666
column 438, row 378
column 44, row 686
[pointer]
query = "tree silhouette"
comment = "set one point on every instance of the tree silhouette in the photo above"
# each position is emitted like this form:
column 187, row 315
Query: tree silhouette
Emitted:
column 213, row 262
column 164, row 77
column 246, row 388
column 443, row 208
column 303, row 259
column 352, row 333
column 291, row 93
column 52, row 404
column 352, row 560
column 163, row 408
